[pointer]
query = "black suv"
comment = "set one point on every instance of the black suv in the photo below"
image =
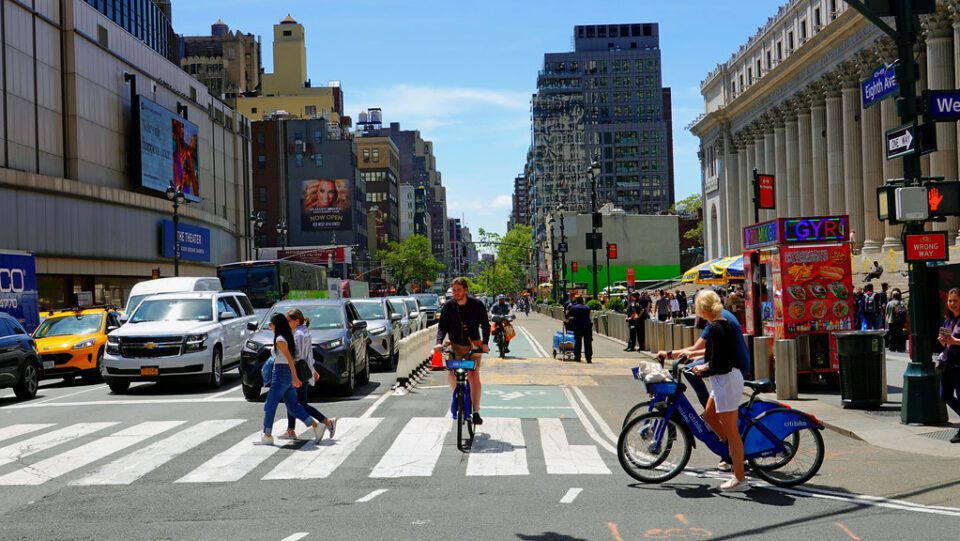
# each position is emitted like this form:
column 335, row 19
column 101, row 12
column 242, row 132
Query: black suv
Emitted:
column 19, row 362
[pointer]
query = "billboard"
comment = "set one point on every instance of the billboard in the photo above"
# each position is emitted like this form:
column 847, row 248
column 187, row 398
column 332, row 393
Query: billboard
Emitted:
column 194, row 241
column 325, row 205
column 169, row 150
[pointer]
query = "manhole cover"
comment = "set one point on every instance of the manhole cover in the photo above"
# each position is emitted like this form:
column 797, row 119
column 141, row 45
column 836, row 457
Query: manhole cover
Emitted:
column 943, row 435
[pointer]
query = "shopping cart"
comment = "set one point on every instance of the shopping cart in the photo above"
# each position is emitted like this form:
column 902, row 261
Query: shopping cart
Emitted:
column 563, row 345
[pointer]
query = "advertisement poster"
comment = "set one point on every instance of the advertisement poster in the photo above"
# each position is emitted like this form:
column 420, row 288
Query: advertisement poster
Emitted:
column 817, row 289
column 169, row 150
column 325, row 205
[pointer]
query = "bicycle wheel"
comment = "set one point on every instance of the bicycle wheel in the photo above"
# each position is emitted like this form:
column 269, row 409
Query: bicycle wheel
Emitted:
column 637, row 410
column 653, row 449
column 467, row 416
column 797, row 464
column 461, row 411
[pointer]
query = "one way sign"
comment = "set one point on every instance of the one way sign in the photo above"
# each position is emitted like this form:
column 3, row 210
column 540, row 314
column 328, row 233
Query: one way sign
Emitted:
column 901, row 141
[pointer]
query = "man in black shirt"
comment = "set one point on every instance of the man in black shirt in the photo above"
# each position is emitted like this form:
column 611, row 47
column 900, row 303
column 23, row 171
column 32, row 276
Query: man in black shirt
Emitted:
column 463, row 319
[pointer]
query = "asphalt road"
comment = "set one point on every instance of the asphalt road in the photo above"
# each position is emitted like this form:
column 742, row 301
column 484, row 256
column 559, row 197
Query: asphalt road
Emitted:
column 164, row 462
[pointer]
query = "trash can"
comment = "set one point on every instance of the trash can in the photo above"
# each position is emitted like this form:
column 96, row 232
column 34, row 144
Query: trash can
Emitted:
column 861, row 357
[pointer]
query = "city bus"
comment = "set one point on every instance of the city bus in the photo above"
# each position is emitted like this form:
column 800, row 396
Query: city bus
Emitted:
column 268, row 281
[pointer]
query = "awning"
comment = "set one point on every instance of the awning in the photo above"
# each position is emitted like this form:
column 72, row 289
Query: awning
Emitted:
column 730, row 268
column 693, row 275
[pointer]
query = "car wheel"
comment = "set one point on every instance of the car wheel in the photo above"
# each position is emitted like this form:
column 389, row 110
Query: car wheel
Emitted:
column 216, row 369
column 118, row 386
column 29, row 381
column 250, row 392
column 364, row 376
column 394, row 359
column 347, row 388
column 95, row 374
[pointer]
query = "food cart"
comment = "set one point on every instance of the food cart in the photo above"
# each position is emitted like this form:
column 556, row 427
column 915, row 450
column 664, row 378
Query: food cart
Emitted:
column 799, row 285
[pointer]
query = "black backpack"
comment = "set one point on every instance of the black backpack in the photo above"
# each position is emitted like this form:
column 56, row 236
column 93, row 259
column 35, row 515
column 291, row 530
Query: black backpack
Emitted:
column 870, row 304
column 900, row 313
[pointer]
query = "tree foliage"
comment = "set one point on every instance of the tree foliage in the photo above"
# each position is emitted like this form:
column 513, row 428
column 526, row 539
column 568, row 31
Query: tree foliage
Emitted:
column 410, row 260
column 508, row 274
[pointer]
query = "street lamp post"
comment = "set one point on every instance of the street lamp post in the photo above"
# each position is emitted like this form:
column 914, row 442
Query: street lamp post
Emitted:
column 282, row 233
column 593, row 173
column 256, row 223
column 554, row 255
column 176, row 195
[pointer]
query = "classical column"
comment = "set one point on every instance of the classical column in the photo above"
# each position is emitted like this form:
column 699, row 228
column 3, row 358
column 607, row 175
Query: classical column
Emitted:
column 954, row 7
column 940, row 76
column 872, row 146
column 805, row 204
column 791, row 184
column 836, row 204
column 731, row 194
column 743, row 166
column 818, row 139
column 752, row 153
column 891, row 169
column 780, row 165
column 853, row 151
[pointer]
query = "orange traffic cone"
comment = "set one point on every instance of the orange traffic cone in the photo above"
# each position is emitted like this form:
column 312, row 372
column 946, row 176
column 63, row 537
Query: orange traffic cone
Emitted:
column 436, row 362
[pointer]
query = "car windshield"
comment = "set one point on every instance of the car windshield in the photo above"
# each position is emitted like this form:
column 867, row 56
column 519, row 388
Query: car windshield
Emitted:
column 412, row 306
column 322, row 316
column 174, row 310
column 69, row 325
column 427, row 299
column 397, row 305
column 370, row 310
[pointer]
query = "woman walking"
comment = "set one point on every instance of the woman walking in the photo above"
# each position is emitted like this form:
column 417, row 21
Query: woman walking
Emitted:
column 949, row 359
column 301, row 336
column 726, row 384
column 284, row 382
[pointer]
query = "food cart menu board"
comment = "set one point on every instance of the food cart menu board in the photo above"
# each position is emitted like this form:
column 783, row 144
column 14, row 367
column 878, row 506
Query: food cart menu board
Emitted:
column 817, row 288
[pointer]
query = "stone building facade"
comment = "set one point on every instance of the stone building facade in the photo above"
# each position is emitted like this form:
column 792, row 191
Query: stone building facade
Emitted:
column 788, row 103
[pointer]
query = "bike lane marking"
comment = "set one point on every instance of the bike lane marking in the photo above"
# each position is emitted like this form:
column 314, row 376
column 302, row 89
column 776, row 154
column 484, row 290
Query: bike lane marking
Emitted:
column 372, row 495
column 540, row 351
column 524, row 401
column 571, row 495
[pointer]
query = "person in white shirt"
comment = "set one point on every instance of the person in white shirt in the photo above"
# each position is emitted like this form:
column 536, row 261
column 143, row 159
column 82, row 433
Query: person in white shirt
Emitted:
column 301, row 335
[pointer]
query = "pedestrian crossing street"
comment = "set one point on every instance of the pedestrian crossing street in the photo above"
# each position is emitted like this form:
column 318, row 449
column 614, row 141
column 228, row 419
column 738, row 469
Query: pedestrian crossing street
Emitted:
column 110, row 453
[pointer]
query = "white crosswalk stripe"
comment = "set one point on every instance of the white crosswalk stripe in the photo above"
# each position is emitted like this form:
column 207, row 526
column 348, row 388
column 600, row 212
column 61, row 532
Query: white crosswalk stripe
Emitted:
column 128, row 469
column 55, row 466
column 499, row 449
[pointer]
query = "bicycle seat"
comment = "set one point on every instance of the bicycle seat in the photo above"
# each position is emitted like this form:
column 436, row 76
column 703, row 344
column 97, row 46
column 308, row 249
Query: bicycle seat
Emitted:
column 761, row 385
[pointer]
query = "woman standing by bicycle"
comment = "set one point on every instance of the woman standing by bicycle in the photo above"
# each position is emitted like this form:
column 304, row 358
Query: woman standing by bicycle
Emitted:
column 300, row 326
column 726, row 383
column 949, row 359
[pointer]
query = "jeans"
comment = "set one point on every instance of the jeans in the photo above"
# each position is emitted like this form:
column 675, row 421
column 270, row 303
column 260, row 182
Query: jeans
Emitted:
column 950, row 385
column 281, row 388
column 302, row 399
column 583, row 341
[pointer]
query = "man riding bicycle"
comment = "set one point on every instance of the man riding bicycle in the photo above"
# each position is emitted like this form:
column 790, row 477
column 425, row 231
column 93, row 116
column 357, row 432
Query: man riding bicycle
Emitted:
column 463, row 319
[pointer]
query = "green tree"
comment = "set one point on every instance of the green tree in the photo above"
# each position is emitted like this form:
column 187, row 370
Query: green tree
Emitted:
column 410, row 261
column 508, row 274
column 690, row 205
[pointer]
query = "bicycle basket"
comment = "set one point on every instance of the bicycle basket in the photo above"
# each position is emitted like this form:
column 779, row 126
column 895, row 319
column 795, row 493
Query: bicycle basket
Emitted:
column 461, row 364
column 661, row 387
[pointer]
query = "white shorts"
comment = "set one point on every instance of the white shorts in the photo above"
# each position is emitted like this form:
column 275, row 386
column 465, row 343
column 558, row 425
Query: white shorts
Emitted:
column 727, row 390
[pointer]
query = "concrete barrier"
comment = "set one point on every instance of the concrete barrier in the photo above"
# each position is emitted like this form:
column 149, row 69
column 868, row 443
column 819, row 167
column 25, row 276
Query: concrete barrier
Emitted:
column 415, row 353
column 678, row 337
column 785, row 353
column 689, row 335
column 649, row 335
column 762, row 357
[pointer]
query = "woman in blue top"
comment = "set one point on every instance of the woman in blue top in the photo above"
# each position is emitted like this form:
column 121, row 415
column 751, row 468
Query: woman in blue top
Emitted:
column 949, row 359
column 301, row 336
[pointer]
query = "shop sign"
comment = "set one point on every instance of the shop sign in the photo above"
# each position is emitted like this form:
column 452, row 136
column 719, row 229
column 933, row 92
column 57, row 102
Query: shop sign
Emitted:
column 926, row 247
column 194, row 241
column 764, row 234
column 815, row 229
column 631, row 275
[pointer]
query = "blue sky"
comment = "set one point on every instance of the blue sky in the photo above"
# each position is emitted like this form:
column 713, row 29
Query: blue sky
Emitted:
column 462, row 72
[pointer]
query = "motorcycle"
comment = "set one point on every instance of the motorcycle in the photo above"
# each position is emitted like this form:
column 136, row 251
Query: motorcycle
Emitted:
column 500, row 333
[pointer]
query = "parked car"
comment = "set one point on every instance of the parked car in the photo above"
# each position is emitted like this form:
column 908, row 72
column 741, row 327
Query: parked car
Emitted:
column 413, row 310
column 20, row 366
column 72, row 342
column 339, row 345
column 429, row 307
column 400, row 307
column 383, row 327
column 179, row 336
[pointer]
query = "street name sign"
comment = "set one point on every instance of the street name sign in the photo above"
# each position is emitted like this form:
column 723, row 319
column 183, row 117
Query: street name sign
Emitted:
column 901, row 141
column 562, row 247
column 943, row 105
column 881, row 84
column 930, row 246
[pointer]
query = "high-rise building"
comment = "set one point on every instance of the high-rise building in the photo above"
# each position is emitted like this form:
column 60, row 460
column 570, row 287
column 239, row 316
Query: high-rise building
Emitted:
column 458, row 252
column 378, row 161
column 414, row 218
column 149, row 21
column 520, row 214
column 227, row 62
column 288, row 89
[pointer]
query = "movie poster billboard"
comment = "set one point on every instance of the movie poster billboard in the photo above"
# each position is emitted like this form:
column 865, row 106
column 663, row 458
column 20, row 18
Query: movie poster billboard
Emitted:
column 169, row 150
column 325, row 205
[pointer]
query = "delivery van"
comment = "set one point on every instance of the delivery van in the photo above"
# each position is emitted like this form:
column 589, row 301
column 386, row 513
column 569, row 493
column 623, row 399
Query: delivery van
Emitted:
column 182, row 284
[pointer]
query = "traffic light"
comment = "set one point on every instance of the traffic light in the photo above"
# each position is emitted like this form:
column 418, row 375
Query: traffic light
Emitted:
column 943, row 198
column 574, row 266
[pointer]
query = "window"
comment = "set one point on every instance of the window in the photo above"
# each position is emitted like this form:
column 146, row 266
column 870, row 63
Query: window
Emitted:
column 253, row 110
column 261, row 162
column 768, row 61
column 366, row 155
column 310, row 110
column 376, row 155
column 102, row 37
column 262, row 194
column 298, row 160
column 318, row 159
column 749, row 76
column 317, row 136
column 790, row 42
column 803, row 31
column 287, row 33
column 779, row 51
column 816, row 19
column 260, row 138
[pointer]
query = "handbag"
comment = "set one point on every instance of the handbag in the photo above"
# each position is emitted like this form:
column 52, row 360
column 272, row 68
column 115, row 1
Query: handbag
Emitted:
column 304, row 373
column 266, row 371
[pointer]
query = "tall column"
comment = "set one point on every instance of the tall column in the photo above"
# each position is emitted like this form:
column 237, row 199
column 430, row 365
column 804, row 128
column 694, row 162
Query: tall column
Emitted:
column 872, row 146
column 891, row 169
column 751, row 165
column 731, row 189
column 941, row 76
column 837, row 200
column 818, row 140
column 805, row 204
column 791, row 186
column 853, row 151
column 954, row 7
column 780, row 165
column 761, row 159
column 744, row 159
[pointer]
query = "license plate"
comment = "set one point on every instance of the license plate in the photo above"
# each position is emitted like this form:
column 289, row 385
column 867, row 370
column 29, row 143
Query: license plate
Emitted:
column 150, row 371
column 47, row 365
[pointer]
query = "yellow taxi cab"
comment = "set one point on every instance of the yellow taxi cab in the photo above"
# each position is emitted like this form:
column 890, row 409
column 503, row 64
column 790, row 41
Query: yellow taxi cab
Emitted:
column 71, row 342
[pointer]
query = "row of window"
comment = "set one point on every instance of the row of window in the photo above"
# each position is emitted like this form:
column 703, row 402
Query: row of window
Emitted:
column 646, row 94
column 142, row 18
column 623, row 82
column 380, row 197
column 604, row 66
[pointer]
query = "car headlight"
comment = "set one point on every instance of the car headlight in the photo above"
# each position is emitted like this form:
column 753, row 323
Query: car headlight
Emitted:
column 252, row 345
column 195, row 342
column 89, row 342
column 332, row 344
column 377, row 330
column 113, row 345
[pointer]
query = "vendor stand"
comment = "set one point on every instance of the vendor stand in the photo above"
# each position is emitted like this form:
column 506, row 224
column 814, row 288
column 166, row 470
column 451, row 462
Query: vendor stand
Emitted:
column 799, row 285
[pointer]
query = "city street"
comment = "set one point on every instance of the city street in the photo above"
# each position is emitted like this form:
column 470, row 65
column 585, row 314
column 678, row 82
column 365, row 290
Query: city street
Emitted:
column 164, row 462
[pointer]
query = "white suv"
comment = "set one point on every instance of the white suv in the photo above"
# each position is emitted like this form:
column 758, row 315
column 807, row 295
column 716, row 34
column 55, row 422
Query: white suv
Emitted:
column 179, row 336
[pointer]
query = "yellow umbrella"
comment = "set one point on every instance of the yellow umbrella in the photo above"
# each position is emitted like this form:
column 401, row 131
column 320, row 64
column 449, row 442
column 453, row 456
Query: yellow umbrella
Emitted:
column 729, row 268
column 693, row 275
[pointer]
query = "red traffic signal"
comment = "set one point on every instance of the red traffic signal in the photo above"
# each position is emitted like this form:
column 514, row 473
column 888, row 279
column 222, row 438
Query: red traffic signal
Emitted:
column 611, row 251
column 574, row 266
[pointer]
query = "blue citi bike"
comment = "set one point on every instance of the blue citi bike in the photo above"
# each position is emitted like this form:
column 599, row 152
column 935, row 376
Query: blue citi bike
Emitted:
column 461, row 408
column 782, row 445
